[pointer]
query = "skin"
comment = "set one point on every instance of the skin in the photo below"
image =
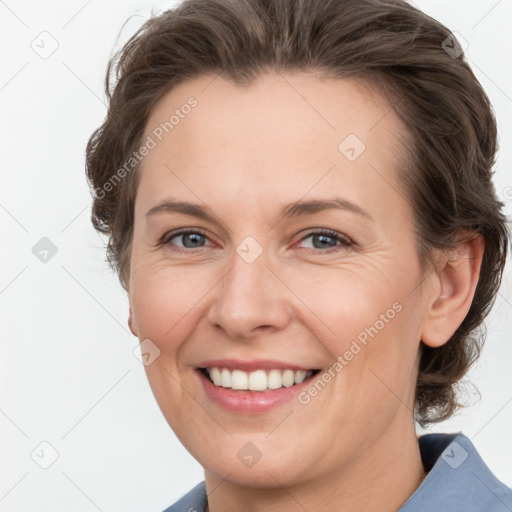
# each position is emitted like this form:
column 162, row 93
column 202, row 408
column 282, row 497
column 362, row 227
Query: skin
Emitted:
column 243, row 153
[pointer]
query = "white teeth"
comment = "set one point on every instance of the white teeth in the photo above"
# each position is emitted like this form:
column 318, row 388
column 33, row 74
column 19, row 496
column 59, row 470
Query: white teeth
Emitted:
column 300, row 375
column 215, row 376
column 239, row 380
column 226, row 378
column 258, row 380
column 274, row 380
column 288, row 378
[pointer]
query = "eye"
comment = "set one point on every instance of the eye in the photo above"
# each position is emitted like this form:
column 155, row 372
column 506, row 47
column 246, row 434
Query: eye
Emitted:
column 327, row 239
column 188, row 239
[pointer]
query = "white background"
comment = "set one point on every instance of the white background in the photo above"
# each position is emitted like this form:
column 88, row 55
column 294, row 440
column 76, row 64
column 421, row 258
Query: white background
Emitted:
column 68, row 373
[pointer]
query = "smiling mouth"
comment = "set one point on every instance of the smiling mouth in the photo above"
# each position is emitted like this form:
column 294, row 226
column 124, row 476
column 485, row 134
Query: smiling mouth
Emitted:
column 258, row 380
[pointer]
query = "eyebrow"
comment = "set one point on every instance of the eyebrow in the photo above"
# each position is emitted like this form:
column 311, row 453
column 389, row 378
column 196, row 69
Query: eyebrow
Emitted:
column 309, row 207
column 296, row 209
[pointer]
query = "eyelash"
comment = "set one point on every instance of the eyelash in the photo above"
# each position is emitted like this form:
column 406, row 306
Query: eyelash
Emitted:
column 345, row 242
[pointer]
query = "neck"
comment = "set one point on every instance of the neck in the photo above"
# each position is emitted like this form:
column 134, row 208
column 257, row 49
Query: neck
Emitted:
column 382, row 478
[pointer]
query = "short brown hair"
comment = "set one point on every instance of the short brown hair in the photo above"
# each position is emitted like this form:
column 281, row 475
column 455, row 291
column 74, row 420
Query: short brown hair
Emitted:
column 411, row 57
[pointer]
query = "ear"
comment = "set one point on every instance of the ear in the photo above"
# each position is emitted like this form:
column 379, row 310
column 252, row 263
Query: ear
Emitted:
column 453, row 287
column 131, row 323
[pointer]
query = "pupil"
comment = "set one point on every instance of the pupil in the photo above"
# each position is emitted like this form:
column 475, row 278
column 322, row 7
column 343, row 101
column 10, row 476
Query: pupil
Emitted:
column 195, row 239
column 323, row 238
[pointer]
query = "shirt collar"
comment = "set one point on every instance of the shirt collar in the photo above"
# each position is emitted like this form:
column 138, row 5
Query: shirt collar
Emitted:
column 458, row 479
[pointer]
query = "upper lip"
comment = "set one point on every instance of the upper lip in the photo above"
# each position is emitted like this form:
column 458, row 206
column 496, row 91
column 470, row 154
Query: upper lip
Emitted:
column 255, row 364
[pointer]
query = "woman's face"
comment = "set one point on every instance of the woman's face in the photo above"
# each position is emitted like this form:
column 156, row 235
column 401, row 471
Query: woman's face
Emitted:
column 298, row 254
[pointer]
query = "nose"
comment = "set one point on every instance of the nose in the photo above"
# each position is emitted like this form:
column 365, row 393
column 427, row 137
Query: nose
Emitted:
column 250, row 301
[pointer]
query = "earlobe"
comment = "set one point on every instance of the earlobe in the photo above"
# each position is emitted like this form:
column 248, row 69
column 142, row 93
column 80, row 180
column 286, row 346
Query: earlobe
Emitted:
column 451, row 296
column 131, row 323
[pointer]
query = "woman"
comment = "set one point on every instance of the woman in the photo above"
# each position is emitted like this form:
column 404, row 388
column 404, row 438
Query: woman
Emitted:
column 298, row 201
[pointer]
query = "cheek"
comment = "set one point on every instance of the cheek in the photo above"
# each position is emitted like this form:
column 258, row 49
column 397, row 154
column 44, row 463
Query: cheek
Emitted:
column 166, row 301
column 349, row 301
column 369, row 322
column 380, row 362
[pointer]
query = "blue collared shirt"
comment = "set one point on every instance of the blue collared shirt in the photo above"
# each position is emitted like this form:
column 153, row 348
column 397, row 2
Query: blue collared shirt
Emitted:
column 458, row 481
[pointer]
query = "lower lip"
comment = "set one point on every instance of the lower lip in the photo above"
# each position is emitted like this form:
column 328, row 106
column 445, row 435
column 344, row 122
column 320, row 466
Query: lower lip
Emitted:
column 251, row 402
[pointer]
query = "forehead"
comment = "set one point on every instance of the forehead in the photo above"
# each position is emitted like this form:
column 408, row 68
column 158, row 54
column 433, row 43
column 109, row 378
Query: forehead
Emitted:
column 283, row 135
